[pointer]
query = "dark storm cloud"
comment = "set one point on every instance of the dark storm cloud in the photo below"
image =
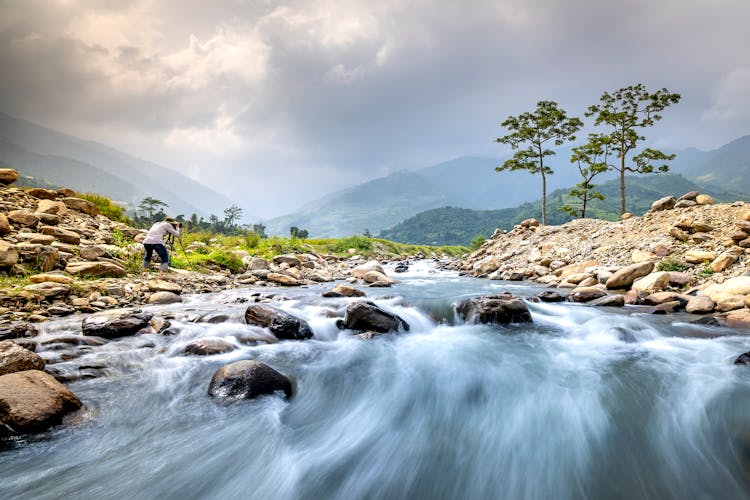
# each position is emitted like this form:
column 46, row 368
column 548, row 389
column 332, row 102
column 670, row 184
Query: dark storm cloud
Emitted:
column 270, row 90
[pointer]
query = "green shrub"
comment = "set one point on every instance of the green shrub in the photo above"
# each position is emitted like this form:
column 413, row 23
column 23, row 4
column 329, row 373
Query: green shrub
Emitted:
column 671, row 265
column 361, row 243
column 226, row 260
column 477, row 241
column 107, row 207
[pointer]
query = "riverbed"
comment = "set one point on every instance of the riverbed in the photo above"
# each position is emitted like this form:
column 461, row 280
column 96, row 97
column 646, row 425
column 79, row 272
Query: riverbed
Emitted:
column 583, row 403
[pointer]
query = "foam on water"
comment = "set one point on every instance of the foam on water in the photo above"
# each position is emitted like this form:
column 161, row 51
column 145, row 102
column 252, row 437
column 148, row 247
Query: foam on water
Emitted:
column 583, row 403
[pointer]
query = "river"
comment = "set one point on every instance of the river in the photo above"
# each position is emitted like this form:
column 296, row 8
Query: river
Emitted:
column 583, row 403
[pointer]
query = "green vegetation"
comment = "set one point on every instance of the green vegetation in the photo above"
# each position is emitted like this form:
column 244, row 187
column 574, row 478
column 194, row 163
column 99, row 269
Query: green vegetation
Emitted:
column 206, row 249
column 671, row 265
column 591, row 160
column 477, row 241
column 107, row 207
column 705, row 270
column 536, row 132
column 626, row 112
column 457, row 226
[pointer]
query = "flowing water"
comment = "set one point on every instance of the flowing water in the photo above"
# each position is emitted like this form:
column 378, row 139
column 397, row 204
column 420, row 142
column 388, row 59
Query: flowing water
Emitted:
column 584, row 403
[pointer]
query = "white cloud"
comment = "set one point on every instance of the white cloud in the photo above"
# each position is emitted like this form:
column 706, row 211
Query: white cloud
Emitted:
column 730, row 97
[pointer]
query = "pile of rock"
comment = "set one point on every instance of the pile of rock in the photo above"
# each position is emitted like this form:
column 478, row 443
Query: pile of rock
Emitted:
column 677, row 256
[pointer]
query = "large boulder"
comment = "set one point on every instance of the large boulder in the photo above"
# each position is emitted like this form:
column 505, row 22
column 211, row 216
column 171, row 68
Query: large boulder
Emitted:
column 23, row 218
column 587, row 293
column 5, row 225
column 288, row 259
column 51, row 207
column 208, row 347
column 64, row 235
column 8, row 254
column 247, row 380
column 374, row 278
column 81, row 205
column 367, row 316
column 164, row 298
column 8, row 176
column 739, row 285
column 696, row 256
column 14, row 358
column 113, row 324
column 42, row 194
column 33, row 401
column 360, row 271
column 48, row 289
column 666, row 203
column 95, row 269
column 625, row 277
column 496, row 309
column 19, row 329
column 700, row 304
column 342, row 290
column 282, row 279
column 738, row 319
column 279, row 322
column 653, row 282
column 724, row 260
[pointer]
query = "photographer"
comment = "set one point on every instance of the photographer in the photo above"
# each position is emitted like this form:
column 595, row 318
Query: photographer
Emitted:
column 154, row 242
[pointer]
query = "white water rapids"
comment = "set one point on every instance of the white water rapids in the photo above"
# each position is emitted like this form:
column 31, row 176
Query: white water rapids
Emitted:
column 583, row 403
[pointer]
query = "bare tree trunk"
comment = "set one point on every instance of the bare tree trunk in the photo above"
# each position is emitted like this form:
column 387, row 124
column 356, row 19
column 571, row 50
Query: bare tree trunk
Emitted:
column 544, row 198
column 622, row 184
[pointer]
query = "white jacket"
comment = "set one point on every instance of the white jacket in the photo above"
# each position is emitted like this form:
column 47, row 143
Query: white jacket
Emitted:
column 157, row 232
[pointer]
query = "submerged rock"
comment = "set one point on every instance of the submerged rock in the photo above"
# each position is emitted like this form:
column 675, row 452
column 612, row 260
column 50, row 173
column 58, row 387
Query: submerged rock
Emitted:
column 497, row 309
column 281, row 323
column 33, row 401
column 367, row 316
column 247, row 380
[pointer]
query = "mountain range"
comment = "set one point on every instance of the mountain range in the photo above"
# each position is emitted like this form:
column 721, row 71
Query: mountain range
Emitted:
column 472, row 183
column 53, row 158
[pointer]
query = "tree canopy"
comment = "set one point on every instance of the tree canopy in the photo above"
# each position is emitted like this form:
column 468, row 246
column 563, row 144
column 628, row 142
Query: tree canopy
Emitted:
column 530, row 136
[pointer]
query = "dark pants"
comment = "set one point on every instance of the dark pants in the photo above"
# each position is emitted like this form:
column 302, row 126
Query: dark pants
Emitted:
column 161, row 251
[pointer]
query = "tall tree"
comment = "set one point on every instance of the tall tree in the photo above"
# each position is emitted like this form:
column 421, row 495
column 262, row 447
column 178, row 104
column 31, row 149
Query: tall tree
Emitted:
column 232, row 215
column 627, row 112
column 151, row 206
column 530, row 135
column 591, row 159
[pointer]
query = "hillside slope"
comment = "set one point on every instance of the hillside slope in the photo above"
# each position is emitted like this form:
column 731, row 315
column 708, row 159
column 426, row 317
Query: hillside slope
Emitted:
column 88, row 166
column 457, row 226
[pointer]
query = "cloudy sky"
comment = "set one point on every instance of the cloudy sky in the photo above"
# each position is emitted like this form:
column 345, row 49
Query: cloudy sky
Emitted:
column 275, row 103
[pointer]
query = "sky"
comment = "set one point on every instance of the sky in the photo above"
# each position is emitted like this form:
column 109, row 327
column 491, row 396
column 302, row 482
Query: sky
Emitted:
column 277, row 103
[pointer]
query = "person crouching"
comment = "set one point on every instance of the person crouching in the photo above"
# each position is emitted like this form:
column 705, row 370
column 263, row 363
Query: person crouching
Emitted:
column 154, row 242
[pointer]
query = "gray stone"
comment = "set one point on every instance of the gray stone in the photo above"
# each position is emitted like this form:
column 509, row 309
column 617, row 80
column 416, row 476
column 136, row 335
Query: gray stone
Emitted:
column 247, row 380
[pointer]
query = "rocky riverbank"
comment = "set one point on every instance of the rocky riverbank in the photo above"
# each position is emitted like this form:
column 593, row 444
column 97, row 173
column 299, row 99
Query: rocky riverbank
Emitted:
column 684, row 254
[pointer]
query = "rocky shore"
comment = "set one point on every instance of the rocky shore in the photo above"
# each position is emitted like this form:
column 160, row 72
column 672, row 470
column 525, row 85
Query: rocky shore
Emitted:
column 685, row 254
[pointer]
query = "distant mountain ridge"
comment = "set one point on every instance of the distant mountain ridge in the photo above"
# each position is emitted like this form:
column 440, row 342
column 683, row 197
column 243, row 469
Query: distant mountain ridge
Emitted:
column 472, row 183
column 88, row 166
column 457, row 226
column 380, row 203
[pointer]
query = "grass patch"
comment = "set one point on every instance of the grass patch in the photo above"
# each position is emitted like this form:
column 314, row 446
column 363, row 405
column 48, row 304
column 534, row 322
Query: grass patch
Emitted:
column 671, row 265
column 107, row 207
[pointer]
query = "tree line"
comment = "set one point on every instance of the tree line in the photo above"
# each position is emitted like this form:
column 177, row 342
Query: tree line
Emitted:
column 151, row 210
column 624, row 114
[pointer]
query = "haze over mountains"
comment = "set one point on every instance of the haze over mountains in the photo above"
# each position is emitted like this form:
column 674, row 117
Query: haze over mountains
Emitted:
column 472, row 183
column 63, row 160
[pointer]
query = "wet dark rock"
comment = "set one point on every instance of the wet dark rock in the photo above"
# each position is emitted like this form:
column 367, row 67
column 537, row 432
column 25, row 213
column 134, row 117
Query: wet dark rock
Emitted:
column 743, row 359
column 706, row 321
column 281, row 323
column 551, row 296
column 33, row 401
column 401, row 268
column 625, row 336
column 113, row 324
column 17, row 330
column 213, row 318
column 496, row 309
column 247, row 380
column 367, row 316
column 208, row 347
